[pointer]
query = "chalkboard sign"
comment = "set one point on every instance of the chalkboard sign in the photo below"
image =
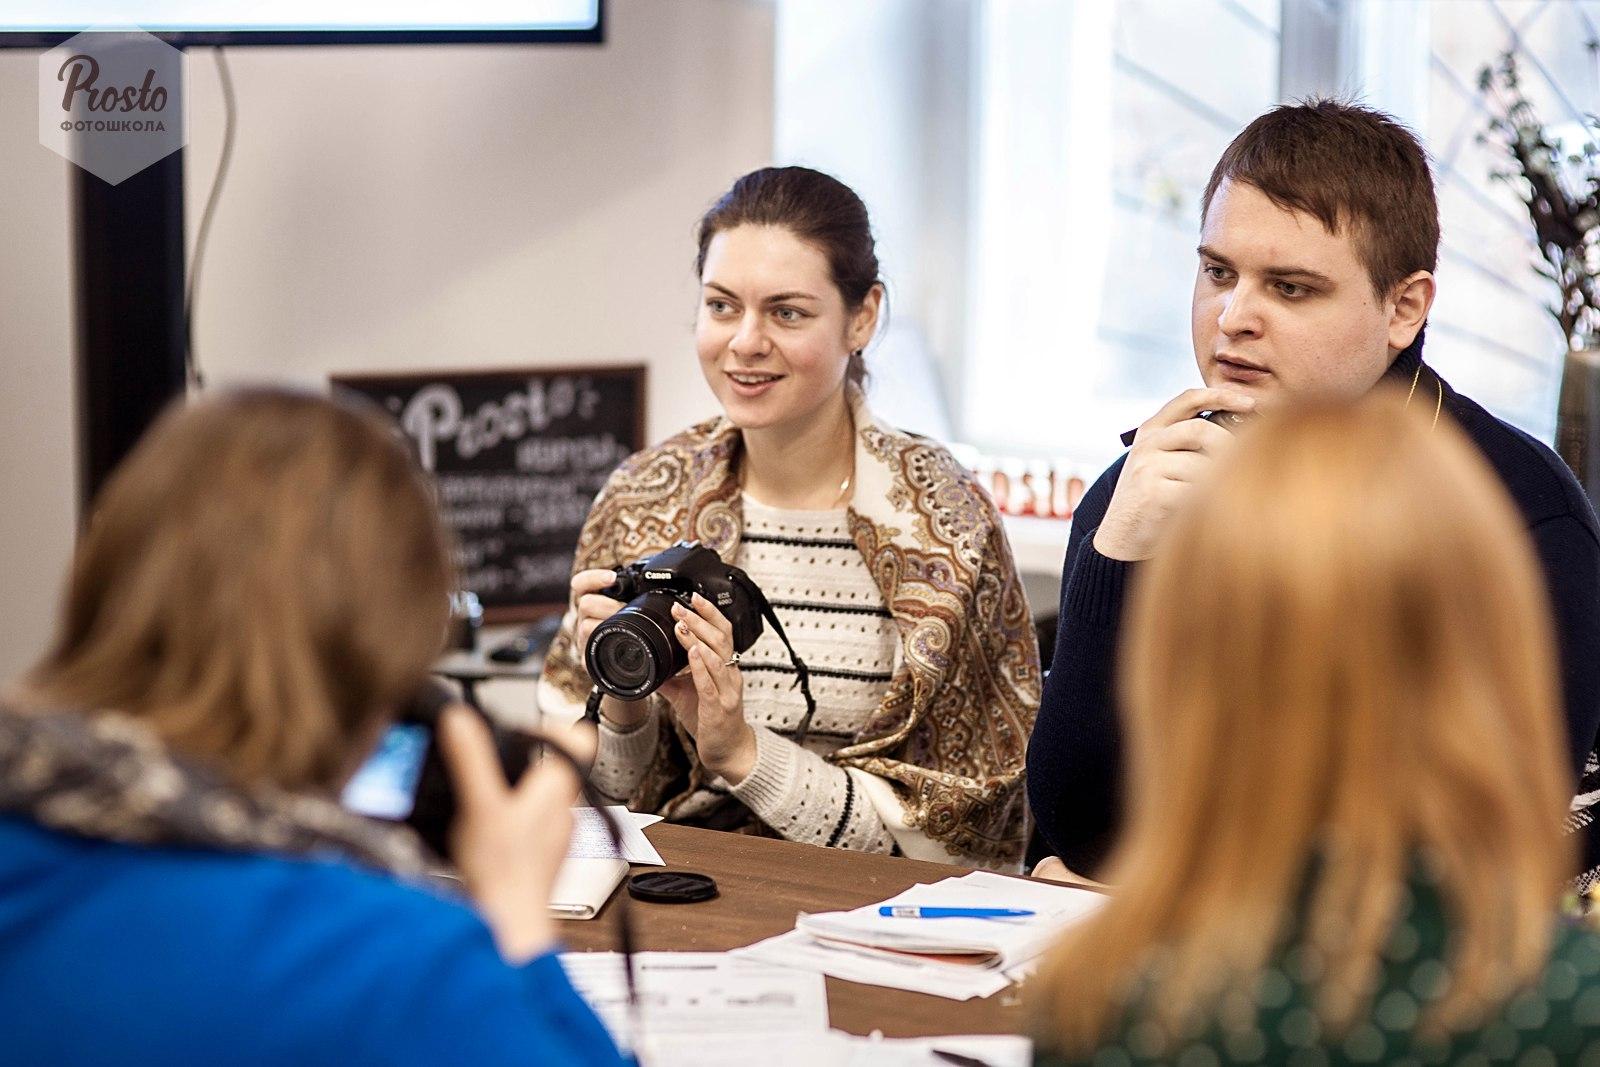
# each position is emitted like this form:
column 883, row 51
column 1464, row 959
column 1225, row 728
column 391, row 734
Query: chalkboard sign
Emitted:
column 517, row 456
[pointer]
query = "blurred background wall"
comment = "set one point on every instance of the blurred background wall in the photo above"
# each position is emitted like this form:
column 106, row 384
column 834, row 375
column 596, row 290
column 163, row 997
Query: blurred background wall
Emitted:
column 1033, row 168
column 391, row 208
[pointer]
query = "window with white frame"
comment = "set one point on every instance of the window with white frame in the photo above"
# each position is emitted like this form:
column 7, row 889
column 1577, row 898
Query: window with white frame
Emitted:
column 1490, row 332
column 1097, row 127
column 1035, row 170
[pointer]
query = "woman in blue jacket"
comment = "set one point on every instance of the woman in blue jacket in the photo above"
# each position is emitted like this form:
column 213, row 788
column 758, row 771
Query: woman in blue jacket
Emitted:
column 264, row 581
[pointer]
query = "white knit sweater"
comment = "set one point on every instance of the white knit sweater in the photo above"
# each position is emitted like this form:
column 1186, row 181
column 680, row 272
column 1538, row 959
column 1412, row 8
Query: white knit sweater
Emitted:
column 818, row 584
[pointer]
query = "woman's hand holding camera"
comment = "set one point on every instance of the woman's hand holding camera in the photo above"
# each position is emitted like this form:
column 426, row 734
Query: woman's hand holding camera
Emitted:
column 592, row 610
column 509, row 841
column 708, row 699
column 711, row 705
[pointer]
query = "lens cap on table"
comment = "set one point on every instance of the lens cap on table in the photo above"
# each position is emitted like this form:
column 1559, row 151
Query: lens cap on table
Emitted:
column 672, row 887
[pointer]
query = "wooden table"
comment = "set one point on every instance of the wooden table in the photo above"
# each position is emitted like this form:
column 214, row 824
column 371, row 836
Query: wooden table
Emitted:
column 763, row 883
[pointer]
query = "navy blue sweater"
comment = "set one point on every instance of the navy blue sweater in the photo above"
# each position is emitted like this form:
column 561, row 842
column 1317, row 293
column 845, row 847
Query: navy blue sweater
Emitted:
column 1075, row 754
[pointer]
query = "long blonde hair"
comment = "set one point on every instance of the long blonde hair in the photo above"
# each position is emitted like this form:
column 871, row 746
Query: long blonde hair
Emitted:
column 1338, row 666
column 260, row 580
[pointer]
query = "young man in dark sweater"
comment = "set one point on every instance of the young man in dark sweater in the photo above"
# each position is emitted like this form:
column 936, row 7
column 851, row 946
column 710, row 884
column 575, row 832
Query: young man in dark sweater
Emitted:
column 1319, row 238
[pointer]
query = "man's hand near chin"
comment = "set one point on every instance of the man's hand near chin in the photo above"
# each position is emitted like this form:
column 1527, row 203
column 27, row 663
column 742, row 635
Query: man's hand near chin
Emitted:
column 1173, row 451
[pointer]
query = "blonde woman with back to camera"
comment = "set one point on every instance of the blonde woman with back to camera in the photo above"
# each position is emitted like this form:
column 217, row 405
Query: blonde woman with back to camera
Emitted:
column 262, row 584
column 1355, row 852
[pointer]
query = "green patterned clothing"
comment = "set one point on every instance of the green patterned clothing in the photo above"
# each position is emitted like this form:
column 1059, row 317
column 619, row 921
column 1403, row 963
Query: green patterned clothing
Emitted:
column 1555, row 1022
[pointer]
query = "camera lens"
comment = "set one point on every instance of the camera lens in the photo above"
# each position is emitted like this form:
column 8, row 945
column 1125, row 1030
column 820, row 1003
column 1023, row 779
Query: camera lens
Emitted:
column 624, row 659
column 630, row 654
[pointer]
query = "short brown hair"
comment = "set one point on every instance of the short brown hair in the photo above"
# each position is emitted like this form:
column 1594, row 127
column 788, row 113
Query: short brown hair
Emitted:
column 261, row 580
column 818, row 209
column 1353, row 168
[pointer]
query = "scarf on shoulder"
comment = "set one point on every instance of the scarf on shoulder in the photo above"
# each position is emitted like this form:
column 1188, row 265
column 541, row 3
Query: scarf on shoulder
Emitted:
column 952, row 730
column 108, row 777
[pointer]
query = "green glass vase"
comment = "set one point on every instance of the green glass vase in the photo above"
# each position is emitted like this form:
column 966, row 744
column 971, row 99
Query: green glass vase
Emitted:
column 1578, row 418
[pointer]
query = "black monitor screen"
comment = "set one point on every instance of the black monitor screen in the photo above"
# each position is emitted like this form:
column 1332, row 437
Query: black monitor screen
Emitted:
column 46, row 23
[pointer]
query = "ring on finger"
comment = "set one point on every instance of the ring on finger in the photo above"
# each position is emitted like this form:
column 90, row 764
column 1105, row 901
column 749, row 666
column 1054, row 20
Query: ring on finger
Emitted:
column 732, row 661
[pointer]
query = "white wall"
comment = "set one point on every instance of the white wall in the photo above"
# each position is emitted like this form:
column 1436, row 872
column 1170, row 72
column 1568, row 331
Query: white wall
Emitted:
column 1098, row 125
column 878, row 95
column 394, row 208
column 37, row 489
column 421, row 207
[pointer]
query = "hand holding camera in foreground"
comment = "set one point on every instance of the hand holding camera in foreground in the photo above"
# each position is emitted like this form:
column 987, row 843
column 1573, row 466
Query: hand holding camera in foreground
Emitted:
column 724, row 741
column 713, row 708
column 593, row 609
column 509, row 840
column 1174, row 449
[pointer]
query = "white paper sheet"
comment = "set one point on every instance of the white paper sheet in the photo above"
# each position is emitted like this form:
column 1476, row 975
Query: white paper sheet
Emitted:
column 590, row 840
column 1014, row 941
column 685, row 996
column 835, row 1048
column 795, row 949
column 808, row 1049
column 993, row 1050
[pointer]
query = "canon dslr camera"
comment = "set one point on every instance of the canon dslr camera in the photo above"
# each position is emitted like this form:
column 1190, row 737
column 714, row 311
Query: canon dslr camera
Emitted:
column 406, row 780
column 633, row 652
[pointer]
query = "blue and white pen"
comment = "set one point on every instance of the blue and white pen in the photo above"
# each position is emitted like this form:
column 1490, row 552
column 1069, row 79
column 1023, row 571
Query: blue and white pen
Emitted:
column 911, row 911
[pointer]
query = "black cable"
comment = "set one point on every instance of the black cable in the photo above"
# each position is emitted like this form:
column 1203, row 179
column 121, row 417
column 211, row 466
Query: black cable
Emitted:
column 427, row 707
column 230, row 114
column 592, row 797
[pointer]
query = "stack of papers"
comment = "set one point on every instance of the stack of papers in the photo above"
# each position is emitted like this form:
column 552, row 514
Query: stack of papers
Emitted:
column 595, row 866
column 957, row 958
column 713, row 1009
column 591, row 841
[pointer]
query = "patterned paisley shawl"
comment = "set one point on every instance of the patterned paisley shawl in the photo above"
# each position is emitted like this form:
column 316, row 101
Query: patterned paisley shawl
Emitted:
column 952, row 730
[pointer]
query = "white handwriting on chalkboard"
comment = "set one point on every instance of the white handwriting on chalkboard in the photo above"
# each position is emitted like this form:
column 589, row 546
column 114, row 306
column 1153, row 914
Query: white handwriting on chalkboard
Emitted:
column 530, row 573
column 465, row 490
column 434, row 415
column 541, row 572
column 478, row 552
column 533, row 504
column 591, row 453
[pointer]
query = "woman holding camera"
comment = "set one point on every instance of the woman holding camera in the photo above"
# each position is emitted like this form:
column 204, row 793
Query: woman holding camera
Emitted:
column 263, row 583
column 886, row 564
column 1348, row 767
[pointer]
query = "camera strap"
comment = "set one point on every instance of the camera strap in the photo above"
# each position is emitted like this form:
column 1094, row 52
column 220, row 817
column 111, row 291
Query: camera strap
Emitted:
column 802, row 675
